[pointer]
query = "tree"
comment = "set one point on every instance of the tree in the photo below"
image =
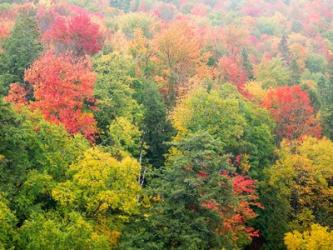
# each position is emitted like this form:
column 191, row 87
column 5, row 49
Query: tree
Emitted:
column 100, row 184
column 7, row 224
column 20, row 50
column 121, row 4
column 199, row 202
column 114, row 92
column 317, row 237
column 284, row 50
column 299, row 184
column 246, row 63
column 272, row 73
column 15, row 149
column 103, row 189
column 295, row 72
column 125, row 138
column 31, row 144
column 178, row 54
column 230, row 71
column 291, row 108
column 315, row 63
column 62, row 89
column 243, row 129
column 53, row 231
column 234, row 39
column 76, row 34
column 142, row 53
column 325, row 89
column 156, row 127
column 17, row 94
column 132, row 22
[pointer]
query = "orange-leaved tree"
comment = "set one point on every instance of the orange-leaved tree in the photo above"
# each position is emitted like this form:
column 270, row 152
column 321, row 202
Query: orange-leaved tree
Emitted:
column 178, row 54
column 63, row 90
column 292, row 110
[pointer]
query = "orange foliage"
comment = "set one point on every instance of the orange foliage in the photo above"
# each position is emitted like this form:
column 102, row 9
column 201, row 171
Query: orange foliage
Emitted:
column 231, row 71
column 61, row 88
column 17, row 95
column 291, row 108
column 178, row 54
column 235, row 217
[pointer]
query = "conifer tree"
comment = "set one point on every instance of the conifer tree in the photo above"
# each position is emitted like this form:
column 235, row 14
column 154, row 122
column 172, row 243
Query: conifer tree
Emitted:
column 20, row 50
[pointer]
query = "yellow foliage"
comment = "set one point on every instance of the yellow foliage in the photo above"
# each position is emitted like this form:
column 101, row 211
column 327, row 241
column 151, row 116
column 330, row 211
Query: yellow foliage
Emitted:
column 317, row 238
column 256, row 91
column 125, row 137
column 100, row 183
column 303, row 173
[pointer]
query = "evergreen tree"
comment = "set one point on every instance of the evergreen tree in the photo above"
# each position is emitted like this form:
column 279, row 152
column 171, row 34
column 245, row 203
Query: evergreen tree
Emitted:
column 325, row 89
column 21, row 48
column 121, row 4
column 247, row 64
column 194, row 201
column 295, row 72
column 284, row 50
column 156, row 127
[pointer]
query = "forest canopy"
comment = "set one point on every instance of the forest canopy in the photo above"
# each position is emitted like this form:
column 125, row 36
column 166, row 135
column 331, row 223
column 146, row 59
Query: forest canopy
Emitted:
column 166, row 124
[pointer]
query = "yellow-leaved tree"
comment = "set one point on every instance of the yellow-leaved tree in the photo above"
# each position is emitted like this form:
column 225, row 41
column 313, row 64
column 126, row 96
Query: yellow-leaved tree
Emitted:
column 299, row 187
column 102, row 188
column 316, row 238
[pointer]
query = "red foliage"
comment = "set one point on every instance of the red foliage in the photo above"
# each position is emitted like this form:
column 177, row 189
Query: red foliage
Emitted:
column 202, row 174
column 77, row 34
column 17, row 94
column 229, row 70
column 243, row 184
column 61, row 86
column 291, row 108
column 199, row 10
column 235, row 216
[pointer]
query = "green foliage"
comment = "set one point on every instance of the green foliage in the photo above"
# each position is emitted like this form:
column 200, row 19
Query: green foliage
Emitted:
column 269, row 25
column 156, row 127
column 175, row 148
column 325, row 89
column 131, row 22
column 100, row 184
column 241, row 127
column 124, row 138
column 315, row 63
column 121, row 4
column 21, row 48
column 53, row 231
column 272, row 73
column 113, row 91
column 54, row 148
column 15, row 148
column 247, row 64
column 178, row 219
column 298, row 185
column 295, row 72
column 7, row 224
column 284, row 50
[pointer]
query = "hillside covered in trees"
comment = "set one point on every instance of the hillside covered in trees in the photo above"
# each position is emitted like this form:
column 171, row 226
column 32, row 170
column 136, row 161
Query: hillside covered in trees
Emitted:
column 171, row 124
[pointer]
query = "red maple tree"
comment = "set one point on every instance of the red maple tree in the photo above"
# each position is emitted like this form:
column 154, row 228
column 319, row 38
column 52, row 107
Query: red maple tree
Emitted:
column 77, row 34
column 231, row 71
column 292, row 110
column 61, row 87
